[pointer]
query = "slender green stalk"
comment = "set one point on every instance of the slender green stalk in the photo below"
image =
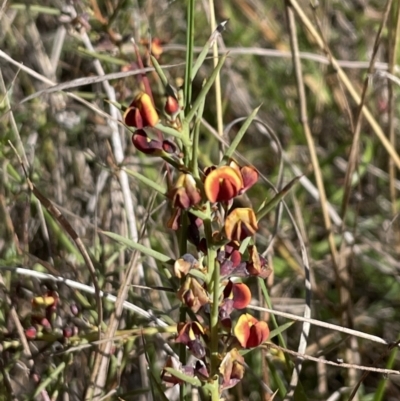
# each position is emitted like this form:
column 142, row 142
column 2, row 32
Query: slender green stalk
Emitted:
column 205, row 90
column 146, row 181
column 49, row 379
column 383, row 384
column 218, row 91
column 195, row 148
column 173, row 132
column 239, row 136
column 213, row 283
column 186, row 144
column 189, row 55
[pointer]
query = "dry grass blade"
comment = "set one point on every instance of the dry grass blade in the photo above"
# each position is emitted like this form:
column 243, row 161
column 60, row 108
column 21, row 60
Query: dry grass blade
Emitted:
column 347, row 83
column 393, row 52
column 354, row 151
column 100, row 370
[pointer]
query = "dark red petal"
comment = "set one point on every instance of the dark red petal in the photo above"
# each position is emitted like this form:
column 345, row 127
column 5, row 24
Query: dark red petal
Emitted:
column 146, row 145
column 169, row 147
column 258, row 334
column 133, row 118
column 249, row 176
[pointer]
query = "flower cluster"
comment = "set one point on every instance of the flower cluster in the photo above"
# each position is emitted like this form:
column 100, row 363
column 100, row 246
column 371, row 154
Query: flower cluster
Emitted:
column 44, row 319
column 210, row 278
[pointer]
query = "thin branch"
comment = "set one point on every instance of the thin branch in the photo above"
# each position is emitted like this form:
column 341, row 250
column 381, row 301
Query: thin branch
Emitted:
column 338, row 364
column 319, row 323
column 321, row 190
column 258, row 51
column 85, row 288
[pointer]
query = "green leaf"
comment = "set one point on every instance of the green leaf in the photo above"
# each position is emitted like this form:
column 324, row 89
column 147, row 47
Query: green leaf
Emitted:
column 299, row 394
column 194, row 381
column 101, row 56
column 146, row 181
column 277, row 378
column 171, row 131
column 36, row 8
column 265, row 209
column 210, row 42
column 279, row 330
column 229, row 152
column 198, row 274
column 139, row 247
column 204, row 91
column 51, row 377
column 159, row 71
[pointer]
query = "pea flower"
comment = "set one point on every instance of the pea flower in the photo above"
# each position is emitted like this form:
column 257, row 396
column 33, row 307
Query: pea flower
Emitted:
column 240, row 223
column 172, row 364
column 172, row 106
column 248, row 173
column 251, row 332
column 222, row 184
column 190, row 334
column 141, row 112
column 184, row 264
column 231, row 369
column 185, row 193
column 257, row 265
column 239, row 293
column 192, row 294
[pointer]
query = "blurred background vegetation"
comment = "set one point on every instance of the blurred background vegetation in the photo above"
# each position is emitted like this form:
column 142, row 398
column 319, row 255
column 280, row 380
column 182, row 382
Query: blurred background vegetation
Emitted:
column 73, row 158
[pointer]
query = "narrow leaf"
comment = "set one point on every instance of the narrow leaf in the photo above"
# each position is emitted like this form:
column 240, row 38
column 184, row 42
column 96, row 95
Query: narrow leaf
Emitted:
column 194, row 381
column 139, row 247
column 206, row 88
column 210, row 42
column 279, row 330
column 198, row 274
column 171, row 131
column 159, row 71
column 229, row 152
column 101, row 56
column 276, row 199
column 149, row 183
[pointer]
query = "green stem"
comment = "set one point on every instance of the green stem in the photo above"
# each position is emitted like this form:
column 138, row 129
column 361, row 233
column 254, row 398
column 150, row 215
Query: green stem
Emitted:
column 213, row 285
column 189, row 55
column 182, row 238
column 194, row 168
column 382, row 386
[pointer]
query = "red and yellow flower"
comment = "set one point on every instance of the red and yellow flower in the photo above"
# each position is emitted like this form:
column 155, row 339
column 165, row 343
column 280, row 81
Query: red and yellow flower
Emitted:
column 192, row 294
column 222, row 184
column 251, row 332
column 190, row 334
column 185, row 193
column 240, row 223
column 141, row 112
column 239, row 293
column 231, row 369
